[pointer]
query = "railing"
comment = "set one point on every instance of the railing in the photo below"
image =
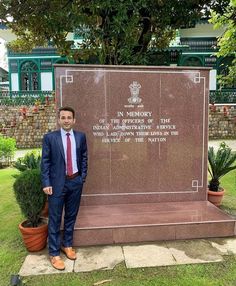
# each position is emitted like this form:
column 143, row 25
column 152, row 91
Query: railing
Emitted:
column 26, row 97
column 226, row 96
column 38, row 96
column 39, row 50
column 200, row 44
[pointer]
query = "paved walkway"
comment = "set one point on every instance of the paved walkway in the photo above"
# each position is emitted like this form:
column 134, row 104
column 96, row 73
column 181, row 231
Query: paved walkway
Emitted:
column 214, row 143
column 135, row 256
column 230, row 143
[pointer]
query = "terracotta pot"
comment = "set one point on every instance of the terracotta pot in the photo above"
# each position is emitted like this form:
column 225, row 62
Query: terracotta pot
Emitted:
column 35, row 238
column 215, row 197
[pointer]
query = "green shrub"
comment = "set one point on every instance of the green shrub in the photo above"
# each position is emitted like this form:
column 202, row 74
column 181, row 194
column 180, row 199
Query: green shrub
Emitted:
column 7, row 149
column 220, row 162
column 29, row 195
column 30, row 161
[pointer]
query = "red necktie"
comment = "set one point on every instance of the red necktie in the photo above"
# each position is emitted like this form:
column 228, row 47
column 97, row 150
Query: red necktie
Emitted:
column 68, row 156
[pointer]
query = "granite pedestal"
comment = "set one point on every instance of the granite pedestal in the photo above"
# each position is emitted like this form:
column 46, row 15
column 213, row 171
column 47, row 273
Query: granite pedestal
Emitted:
column 147, row 133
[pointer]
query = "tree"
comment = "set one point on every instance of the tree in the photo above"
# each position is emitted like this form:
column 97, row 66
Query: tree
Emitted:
column 224, row 15
column 7, row 149
column 117, row 32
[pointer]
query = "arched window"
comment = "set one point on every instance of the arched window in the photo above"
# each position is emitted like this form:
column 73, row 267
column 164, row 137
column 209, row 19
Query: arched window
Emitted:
column 29, row 76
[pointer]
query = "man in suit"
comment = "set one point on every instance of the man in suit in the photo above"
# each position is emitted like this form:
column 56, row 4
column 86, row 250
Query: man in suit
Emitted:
column 63, row 172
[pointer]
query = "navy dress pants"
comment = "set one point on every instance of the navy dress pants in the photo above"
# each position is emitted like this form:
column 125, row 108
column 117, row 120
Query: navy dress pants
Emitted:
column 70, row 201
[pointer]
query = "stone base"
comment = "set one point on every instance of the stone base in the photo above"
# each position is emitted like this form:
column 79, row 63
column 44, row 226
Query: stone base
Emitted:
column 125, row 223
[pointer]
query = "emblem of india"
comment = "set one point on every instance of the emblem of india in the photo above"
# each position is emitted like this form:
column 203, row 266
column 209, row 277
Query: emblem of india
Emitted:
column 134, row 90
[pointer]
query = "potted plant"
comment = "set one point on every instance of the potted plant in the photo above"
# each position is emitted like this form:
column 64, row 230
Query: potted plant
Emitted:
column 31, row 200
column 220, row 162
column 30, row 161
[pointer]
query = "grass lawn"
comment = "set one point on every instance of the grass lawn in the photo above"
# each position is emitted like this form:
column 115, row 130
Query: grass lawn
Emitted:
column 228, row 182
column 13, row 253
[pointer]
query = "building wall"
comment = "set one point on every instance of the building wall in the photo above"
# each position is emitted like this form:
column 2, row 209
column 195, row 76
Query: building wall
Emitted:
column 222, row 121
column 36, row 66
column 29, row 125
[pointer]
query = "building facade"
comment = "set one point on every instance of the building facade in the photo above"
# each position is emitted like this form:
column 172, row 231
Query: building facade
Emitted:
column 195, row 46
column 33, row 71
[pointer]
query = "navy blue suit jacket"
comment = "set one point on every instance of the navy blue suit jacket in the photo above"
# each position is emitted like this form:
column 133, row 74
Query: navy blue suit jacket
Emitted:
column 53, row 164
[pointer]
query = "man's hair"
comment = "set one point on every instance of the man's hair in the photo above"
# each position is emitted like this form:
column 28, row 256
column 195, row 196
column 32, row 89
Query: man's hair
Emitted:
column 66, row 108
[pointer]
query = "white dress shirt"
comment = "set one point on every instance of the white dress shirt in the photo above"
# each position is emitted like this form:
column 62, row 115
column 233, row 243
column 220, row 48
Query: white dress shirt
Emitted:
column 73, row 148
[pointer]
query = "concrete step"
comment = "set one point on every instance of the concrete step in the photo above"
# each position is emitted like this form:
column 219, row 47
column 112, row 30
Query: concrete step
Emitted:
column 124, row 223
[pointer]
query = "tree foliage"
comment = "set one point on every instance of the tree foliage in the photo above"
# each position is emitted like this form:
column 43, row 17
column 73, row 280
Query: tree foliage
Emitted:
column 117, row 32
column 224, row 15
column 7, row 149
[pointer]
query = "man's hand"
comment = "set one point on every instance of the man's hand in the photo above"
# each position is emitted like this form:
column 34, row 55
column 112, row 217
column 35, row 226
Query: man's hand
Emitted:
column 48, row 190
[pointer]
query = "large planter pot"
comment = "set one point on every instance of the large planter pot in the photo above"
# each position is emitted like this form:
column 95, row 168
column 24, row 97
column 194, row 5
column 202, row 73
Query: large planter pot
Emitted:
column 215, row 197
column 35, row 238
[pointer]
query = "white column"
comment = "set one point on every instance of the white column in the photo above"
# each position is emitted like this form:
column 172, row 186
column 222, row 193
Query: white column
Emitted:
column 46, row 81
column 14, row 82
column 212, row 83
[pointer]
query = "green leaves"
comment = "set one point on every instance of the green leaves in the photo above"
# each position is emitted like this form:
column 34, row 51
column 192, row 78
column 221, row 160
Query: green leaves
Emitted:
column 115, row 32
column 30, row 161
column 225, row 17
column 7, row 149
column 220, row 163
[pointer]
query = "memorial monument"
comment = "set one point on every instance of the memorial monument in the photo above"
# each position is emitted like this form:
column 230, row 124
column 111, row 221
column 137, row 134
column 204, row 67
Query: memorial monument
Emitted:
column 147, row 132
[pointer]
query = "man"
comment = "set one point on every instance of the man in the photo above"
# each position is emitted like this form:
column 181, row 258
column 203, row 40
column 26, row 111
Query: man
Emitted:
column 63, row 172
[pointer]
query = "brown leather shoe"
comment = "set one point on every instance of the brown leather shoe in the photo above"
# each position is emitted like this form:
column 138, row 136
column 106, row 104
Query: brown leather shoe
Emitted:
column 57, row 262
column 69, row 252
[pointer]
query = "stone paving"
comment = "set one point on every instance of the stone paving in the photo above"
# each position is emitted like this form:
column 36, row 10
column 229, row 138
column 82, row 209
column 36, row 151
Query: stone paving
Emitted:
column 216, row 143
column 135, row 256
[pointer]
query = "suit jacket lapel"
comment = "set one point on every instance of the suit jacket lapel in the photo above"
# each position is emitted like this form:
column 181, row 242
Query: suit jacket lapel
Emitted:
column 60, row 144
column 76, row 139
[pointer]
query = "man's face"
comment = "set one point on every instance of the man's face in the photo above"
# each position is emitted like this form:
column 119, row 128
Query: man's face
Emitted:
column 66, row 120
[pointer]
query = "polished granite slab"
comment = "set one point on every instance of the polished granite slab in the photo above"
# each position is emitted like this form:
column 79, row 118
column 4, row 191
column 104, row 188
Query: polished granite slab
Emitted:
column 146, row 130
column 107, row 224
